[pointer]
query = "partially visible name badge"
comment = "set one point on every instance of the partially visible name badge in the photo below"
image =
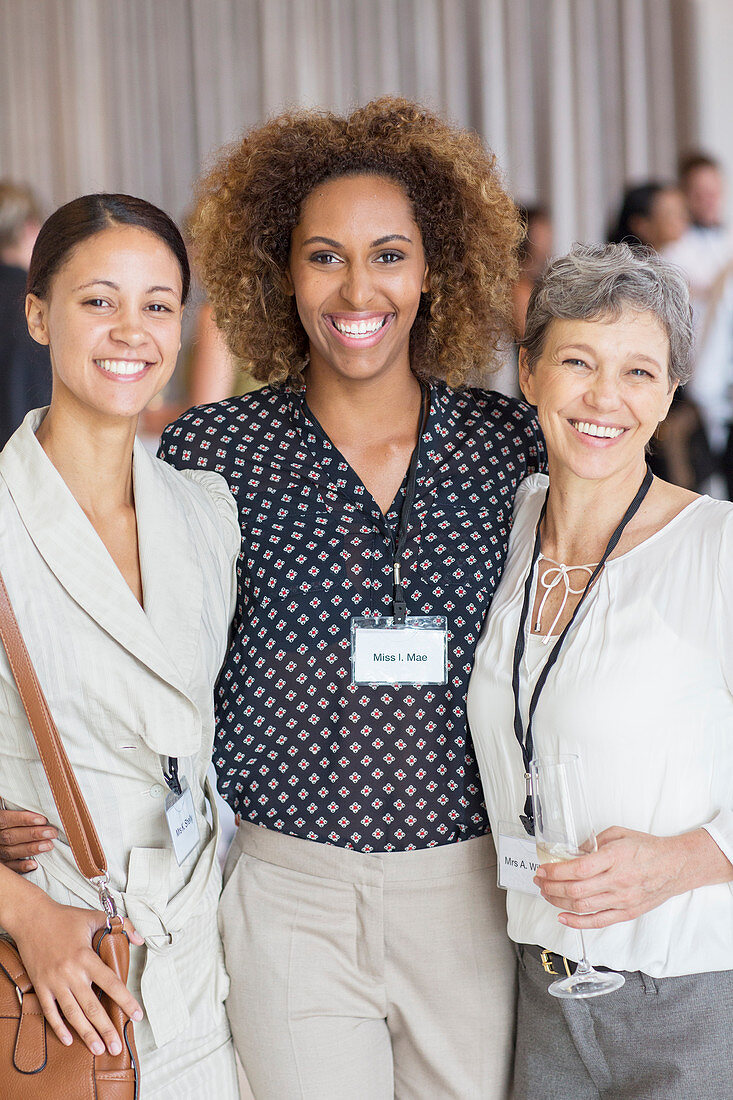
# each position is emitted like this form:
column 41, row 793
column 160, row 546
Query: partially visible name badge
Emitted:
column 517, row 861
column 413, row 652
column 182, row 825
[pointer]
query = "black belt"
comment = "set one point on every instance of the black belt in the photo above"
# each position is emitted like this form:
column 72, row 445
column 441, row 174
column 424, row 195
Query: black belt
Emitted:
column 552, row 963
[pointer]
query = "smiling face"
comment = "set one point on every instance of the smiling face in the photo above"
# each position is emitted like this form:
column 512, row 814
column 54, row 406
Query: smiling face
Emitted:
column 601, row 388
column 357, row 269
column 112, row 320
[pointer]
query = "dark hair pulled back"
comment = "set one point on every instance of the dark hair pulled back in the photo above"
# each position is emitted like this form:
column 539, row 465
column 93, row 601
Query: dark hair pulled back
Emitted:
column 637, row 203
column 82, row 218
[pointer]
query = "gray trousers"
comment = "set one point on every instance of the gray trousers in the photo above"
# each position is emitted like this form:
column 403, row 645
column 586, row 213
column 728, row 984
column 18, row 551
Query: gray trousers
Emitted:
column 653, row 1039
column 368, row 977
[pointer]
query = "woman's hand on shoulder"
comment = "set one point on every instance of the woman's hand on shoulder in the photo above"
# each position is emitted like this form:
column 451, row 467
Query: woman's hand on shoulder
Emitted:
column 22, row 836
column 630, row 874
column 56, row 948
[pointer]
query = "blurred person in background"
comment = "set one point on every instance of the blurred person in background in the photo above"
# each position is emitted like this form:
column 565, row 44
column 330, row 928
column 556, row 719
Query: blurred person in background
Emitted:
column 703, row 185
column 210, row 373
column 25, row 368
column 534, row 254
column 705, row 254
column 651, row 213
column 654, row 214
column 213, row 372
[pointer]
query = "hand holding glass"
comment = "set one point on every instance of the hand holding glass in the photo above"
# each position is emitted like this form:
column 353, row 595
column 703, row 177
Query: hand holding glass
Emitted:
column 563, row 831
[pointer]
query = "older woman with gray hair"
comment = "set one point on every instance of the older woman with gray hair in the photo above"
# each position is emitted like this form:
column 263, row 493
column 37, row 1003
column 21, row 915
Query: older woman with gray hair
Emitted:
column 640, row 688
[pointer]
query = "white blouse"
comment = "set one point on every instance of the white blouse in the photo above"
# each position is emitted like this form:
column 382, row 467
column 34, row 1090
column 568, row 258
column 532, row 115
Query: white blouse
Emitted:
column 643, row 693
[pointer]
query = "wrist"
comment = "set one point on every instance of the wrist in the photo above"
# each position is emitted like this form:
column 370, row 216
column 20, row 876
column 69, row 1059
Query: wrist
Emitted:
column 701, row 861
column 20, row 901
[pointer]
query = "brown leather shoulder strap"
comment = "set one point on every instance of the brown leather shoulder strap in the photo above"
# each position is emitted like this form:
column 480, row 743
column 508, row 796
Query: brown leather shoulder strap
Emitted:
column 73, row 810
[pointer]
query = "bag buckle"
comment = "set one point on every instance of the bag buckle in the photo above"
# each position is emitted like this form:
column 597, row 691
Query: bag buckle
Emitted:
column 106, row 900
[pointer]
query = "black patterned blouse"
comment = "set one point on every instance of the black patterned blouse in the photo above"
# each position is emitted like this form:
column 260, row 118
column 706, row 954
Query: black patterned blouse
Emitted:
column 298, row 747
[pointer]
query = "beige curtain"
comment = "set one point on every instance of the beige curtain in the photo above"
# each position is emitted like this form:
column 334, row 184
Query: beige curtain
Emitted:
column 575, row 96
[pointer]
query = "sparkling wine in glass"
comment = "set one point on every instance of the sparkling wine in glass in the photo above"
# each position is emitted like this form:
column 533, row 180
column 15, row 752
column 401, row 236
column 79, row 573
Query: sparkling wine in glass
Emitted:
column 563, row 831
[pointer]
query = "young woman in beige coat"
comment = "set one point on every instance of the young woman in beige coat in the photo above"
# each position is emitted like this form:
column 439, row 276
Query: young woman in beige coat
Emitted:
column 121, row 574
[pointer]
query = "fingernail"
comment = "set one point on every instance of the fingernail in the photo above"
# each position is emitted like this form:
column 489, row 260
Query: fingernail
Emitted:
column 45, row 847
column 48, row 833
column 31, row 864
column 115, row 1047
column 137, row 1015
column 97, row 1048
column 66, row 1040
column 39, row 821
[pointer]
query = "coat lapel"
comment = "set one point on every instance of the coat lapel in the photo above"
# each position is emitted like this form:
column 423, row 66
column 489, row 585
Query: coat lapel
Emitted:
column 79, row 560
column 173, row 587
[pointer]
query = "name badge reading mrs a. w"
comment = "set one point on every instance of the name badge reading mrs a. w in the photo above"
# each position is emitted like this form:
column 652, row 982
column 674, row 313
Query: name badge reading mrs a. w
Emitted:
column 413, row 652
column 517, row 860
column 182, row 825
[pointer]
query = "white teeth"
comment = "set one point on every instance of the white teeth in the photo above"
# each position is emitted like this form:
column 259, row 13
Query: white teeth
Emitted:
column 602, row 430
column 121, row 366
column 359, row 328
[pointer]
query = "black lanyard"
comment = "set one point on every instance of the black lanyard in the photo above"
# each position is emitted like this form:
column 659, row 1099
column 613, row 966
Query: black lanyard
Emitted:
column 525, row 738
column 399, row 607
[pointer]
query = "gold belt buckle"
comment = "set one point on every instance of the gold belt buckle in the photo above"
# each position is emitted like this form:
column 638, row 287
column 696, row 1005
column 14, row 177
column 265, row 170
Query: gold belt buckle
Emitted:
column 546, row 960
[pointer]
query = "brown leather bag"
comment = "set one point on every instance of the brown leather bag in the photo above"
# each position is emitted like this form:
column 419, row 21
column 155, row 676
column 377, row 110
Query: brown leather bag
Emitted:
column 34, row 1064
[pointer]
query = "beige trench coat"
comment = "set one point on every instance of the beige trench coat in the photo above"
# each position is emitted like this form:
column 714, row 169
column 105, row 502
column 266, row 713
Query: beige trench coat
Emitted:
column 128, row 688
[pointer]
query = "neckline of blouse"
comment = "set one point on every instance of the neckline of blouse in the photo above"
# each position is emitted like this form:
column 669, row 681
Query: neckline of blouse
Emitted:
column 544, row 639
column 645, row 542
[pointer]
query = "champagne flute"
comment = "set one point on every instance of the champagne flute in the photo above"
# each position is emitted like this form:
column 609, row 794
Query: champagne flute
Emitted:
column 563, row 831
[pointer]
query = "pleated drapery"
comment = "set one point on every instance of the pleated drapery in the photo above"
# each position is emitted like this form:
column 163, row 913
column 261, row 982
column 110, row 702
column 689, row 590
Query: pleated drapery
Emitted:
column 575, row 96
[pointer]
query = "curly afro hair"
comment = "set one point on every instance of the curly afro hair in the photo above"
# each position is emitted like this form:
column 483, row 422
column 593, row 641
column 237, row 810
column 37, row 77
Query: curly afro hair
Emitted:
column 250, row 202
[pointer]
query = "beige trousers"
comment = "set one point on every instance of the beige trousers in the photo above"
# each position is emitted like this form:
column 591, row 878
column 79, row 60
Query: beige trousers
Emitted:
column 367, row 977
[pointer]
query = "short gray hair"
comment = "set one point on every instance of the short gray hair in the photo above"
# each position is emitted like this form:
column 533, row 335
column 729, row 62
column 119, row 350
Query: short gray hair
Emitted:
column 597, row 282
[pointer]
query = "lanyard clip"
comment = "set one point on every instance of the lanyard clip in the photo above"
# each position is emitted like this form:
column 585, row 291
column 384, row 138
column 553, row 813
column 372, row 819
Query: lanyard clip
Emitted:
column 399, row 607
column 527, row 818
column 171, row 776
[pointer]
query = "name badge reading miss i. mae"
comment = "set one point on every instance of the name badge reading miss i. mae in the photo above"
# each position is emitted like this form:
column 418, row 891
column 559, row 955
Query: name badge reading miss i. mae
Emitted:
column 386, row 652
column 401, row 648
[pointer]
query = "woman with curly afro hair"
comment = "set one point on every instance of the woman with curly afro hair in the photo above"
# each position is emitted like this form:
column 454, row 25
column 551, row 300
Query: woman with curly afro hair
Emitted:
column 361, row 267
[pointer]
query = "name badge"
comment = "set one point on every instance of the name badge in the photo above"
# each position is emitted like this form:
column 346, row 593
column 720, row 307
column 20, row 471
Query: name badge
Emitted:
column 182, row 825
column 413, row 652
column 517, row 860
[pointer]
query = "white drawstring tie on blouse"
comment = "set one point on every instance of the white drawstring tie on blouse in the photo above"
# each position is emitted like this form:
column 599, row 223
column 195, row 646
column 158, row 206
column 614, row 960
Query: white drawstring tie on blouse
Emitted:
column 550, row 579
